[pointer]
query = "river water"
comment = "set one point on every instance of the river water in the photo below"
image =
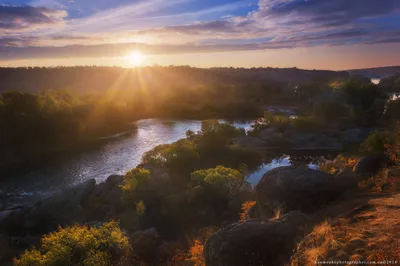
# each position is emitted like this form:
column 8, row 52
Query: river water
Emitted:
column 28, row 182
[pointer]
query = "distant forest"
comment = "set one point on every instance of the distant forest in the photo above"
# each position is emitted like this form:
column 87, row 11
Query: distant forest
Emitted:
column 95, row 79
column 43, row 110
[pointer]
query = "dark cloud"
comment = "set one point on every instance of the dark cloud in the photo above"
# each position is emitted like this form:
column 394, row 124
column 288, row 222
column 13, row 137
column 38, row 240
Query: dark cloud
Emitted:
column 27, row 17
column 277, row 24
column 17, row 41
column 328, row 12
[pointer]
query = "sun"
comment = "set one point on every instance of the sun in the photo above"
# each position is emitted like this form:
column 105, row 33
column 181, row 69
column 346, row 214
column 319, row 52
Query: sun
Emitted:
column 135, row 59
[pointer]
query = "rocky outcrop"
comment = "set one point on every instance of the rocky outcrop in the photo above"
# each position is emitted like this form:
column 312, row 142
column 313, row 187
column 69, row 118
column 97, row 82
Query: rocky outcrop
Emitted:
column 62, row 208
column 255, row 242
column 370, row 165
column 295, row 188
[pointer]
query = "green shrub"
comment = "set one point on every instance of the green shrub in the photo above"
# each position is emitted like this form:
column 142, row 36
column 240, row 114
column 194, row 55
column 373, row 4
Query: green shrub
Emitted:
column 180, row 157
column 135, row 177
column 375, row 143
column 79, row 245
column 220, row 177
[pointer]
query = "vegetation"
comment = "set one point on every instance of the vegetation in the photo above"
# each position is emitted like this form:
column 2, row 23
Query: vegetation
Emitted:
column 80, row 245
column 246, row 206
column 220, row 177
column 375, row 143
column 205, row 187
column 208, row 148
column 315, row 246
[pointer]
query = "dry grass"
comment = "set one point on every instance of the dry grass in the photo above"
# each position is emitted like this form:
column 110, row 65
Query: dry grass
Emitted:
column 246, row 206
column 278, row 213
column 315, row 246
column 340, row 162
column 364, row 228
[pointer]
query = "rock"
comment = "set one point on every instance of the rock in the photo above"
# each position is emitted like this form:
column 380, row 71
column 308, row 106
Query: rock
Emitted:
column 148, row 246
column 62, row 208
column 108, row 192
column 11, row 220
column 347, row 178
column 4, row 248
column 313, row 141
column 114, row 180
column 249, row 142
column 253, row 213
column 355, row 135
column 255, row 242
column 370, row 165
column 295, row 188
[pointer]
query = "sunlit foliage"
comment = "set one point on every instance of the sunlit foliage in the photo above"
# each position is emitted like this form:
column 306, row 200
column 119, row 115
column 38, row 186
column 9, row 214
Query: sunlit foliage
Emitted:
column 80, row 245
column 196, row 254
column 220, row 177
column 246, row 206
column 140, row 208
column 135, row 177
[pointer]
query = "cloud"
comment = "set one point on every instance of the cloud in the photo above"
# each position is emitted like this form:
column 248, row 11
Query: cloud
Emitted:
column 275, row 24
column 16, row 18
column 324, row 12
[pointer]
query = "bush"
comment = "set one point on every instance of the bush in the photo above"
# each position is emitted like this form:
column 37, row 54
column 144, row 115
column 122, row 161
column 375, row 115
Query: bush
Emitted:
column 280, row 122
column 220, row 177
column 79, row 245
column 134, row 178
column 375, row 143
column 179, row 157
column 215, row 135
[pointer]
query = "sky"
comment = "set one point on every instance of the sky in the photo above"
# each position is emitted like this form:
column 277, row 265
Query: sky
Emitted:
column 311, row 34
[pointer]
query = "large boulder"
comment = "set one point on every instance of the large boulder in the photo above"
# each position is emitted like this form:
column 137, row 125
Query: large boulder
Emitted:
column 255, row 242
column 355, row 135
column 370, row 165
column 62, row 208
column 295, row 188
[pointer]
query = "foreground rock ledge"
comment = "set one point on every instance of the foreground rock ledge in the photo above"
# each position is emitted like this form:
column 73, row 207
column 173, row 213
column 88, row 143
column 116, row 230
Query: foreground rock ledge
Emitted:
column 297, row 188
column 255, row 242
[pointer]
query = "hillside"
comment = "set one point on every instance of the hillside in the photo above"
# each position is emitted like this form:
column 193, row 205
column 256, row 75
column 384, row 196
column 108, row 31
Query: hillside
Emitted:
column 376, row 72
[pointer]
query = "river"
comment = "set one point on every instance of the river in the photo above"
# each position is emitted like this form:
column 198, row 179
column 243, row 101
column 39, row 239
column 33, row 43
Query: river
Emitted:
column 28, row 182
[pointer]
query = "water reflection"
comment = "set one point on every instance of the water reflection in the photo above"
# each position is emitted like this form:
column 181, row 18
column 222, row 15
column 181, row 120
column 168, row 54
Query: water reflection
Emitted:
column 311, row 161
column 117, row 156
